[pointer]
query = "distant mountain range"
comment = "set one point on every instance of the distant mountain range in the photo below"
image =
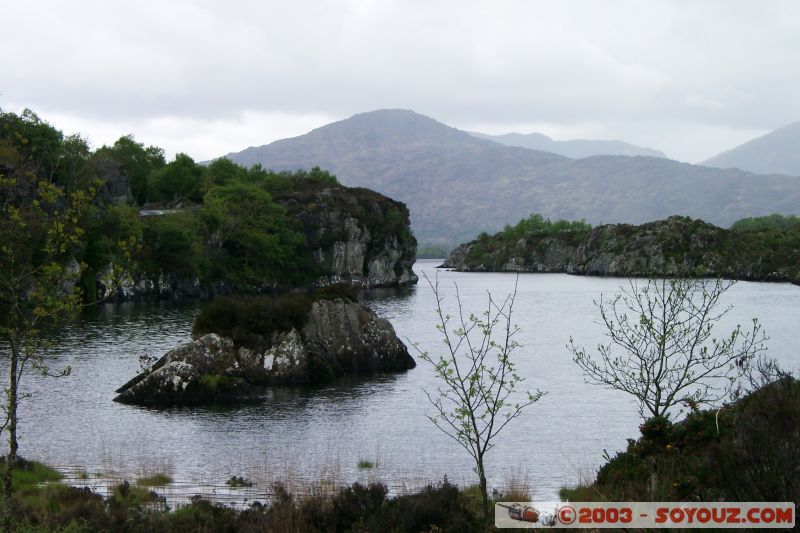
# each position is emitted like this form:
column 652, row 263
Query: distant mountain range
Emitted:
column 457, row 185
column 575, row 149
column 776, row 152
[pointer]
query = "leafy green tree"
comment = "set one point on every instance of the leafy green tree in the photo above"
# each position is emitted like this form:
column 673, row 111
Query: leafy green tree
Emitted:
column 58, row 159
column 222, row 172
column 40, row 235
column 256, row 244
column 322, row 176
column 138, row 162
column 31, row 143
column 113, row 237
column 174, row 244
column 181, row 179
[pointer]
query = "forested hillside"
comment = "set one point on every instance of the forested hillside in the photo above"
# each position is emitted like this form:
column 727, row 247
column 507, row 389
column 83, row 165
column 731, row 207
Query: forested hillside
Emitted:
column 179, row 228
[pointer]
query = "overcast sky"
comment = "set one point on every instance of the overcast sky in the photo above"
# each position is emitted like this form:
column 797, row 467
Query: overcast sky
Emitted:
column 690, row 78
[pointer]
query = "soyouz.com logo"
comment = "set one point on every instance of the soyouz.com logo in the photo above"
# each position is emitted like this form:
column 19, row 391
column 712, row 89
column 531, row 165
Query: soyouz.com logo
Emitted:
column 579, row 515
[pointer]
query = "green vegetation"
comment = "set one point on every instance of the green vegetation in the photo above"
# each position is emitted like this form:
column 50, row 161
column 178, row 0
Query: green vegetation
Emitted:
column 29, row 474
column 159, row 479
column 745, row 451
column 238, row 482
column 365, row 464
column 441, row 507
column 251, row 320
column 497, row 249
column 769, row 222
column 235, row 233
column 248, row 228
column 216, row 383
column 766, row 248
column 45, row 196
column 138, row 162
column 538, row 226
column 179, row 180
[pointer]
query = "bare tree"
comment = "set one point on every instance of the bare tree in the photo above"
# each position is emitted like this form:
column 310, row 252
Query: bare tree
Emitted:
column 661, row 349
column 475, row 399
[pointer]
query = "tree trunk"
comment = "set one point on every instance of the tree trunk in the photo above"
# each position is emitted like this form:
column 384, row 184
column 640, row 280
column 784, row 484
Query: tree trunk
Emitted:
column 11, row 458
column 484, row 491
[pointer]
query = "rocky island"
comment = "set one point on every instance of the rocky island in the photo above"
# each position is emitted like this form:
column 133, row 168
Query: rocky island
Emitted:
column 670, row 247
column 241, row 346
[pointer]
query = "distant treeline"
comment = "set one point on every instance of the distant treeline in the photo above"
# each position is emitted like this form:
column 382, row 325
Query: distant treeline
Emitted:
column 760, row 248
column 769, row 222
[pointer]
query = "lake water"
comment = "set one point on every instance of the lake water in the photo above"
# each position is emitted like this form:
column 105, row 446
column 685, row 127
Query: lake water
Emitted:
column 322, row 433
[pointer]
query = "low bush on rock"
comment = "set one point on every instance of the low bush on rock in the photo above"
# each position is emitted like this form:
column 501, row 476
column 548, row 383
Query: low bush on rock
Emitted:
column 252, row 320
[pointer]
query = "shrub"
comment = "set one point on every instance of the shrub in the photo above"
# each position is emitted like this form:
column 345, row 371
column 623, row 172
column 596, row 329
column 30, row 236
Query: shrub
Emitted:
column 251, row 321
column 155, row 480
column 746, row 451
column 236, row 482
column 439, row 507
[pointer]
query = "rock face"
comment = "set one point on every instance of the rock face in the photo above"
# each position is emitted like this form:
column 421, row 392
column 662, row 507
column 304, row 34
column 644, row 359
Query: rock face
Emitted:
column 340, row 338
column 167, row 287
column 116, row 187
column 358, row 236
column 675, row 246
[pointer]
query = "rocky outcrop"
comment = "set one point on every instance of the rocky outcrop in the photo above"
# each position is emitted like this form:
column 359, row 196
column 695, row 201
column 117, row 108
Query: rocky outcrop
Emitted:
column 672, row 247
column 164, row 287
column 115, row 188
column 358, row 236
column 547, row 254
column 340, row 338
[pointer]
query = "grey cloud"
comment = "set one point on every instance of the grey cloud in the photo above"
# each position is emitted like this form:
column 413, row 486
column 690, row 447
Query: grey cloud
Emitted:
column 719, row 64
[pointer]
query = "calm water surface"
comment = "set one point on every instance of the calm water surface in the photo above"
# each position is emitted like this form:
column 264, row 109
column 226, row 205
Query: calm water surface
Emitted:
column 315, row 433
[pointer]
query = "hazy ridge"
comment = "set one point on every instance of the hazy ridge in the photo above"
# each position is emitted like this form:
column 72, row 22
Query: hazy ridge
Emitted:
column 775, row 152
column 457, row 185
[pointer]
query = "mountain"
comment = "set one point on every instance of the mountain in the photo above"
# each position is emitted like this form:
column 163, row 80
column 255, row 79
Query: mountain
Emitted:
column 575, row 149
column 776, row 152
column 457, row 185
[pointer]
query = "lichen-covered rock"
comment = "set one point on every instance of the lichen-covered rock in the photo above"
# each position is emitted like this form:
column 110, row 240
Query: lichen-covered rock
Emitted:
column 345, row 338
column 340, row 338
column 203, row 370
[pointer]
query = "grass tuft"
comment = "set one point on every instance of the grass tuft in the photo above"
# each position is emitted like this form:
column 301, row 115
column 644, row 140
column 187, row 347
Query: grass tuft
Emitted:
column 236, row 482
column 155, row 480
column 31, row 474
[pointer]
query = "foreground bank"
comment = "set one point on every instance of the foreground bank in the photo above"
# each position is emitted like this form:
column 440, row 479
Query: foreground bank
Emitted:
column 743, row 452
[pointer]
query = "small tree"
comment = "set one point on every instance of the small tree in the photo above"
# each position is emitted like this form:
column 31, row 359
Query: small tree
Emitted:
column 41, row 230
column 477, row 378
column 661, row 349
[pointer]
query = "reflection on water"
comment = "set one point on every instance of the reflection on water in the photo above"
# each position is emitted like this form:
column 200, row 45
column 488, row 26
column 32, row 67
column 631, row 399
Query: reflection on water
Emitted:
column 310, row 431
